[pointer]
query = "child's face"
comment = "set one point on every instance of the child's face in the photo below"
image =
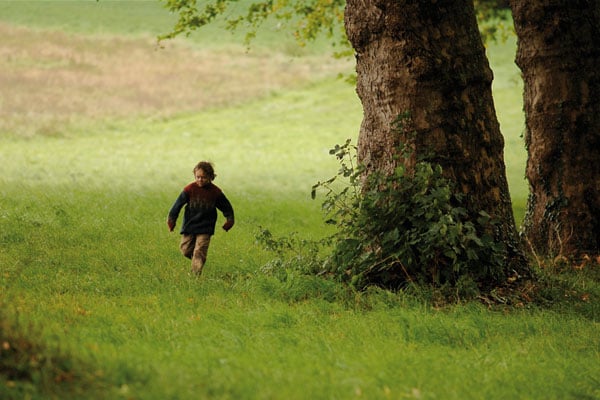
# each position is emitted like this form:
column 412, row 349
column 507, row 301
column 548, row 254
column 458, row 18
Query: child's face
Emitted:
column 201, row 178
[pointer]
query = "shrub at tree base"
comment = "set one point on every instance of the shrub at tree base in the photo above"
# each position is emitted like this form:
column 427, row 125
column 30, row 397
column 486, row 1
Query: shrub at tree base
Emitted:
column 407, row 227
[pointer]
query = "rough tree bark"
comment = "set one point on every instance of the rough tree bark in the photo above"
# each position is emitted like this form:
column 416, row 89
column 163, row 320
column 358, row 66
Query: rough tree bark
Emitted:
column 427, row 58
column 559, row 55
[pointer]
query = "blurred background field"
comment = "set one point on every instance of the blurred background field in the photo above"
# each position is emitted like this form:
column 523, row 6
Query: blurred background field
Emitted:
column 99, row 61
column 99, row 130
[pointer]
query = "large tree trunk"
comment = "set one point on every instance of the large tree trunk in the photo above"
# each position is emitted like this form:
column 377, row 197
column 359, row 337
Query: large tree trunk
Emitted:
column 427, row 58
column 559, row 55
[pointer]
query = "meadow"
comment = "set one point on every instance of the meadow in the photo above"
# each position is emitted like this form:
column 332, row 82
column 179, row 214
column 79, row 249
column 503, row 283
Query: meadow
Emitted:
column 99, row 131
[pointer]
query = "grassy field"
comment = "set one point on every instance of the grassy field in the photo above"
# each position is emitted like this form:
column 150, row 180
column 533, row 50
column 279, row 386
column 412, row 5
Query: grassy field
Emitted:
column 99, row 131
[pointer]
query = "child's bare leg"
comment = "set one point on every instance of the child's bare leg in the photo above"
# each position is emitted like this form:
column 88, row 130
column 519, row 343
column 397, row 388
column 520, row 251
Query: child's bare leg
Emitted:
column 200, row 253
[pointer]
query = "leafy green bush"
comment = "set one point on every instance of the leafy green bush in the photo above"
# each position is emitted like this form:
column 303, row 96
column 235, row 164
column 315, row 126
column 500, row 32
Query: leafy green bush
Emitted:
column 393, row 230
column 406, row 227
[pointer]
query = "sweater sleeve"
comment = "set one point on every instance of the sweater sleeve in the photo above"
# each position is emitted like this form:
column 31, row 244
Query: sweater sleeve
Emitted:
column 225, row 206
column 182, row 199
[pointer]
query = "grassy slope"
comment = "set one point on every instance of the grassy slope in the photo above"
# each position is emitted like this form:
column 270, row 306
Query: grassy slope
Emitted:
column 507, row 89
column 86, row 257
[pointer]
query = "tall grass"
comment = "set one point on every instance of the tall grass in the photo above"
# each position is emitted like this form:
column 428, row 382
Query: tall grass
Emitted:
column 87, row 258
column 89, row 270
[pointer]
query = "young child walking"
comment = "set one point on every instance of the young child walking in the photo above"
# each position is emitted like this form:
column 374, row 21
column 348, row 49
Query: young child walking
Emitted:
column 202, row 199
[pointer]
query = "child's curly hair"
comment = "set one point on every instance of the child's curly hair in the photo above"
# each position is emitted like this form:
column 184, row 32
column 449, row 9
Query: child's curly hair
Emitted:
column 208, row 169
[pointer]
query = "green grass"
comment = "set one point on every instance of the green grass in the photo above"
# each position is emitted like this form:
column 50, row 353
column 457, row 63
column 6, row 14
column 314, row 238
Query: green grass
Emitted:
column 507, row 88
column 89, row 270
column 146, row 17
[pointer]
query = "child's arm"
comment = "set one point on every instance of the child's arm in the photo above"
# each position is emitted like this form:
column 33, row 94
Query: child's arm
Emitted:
column 182, row 199
column 226, row 208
